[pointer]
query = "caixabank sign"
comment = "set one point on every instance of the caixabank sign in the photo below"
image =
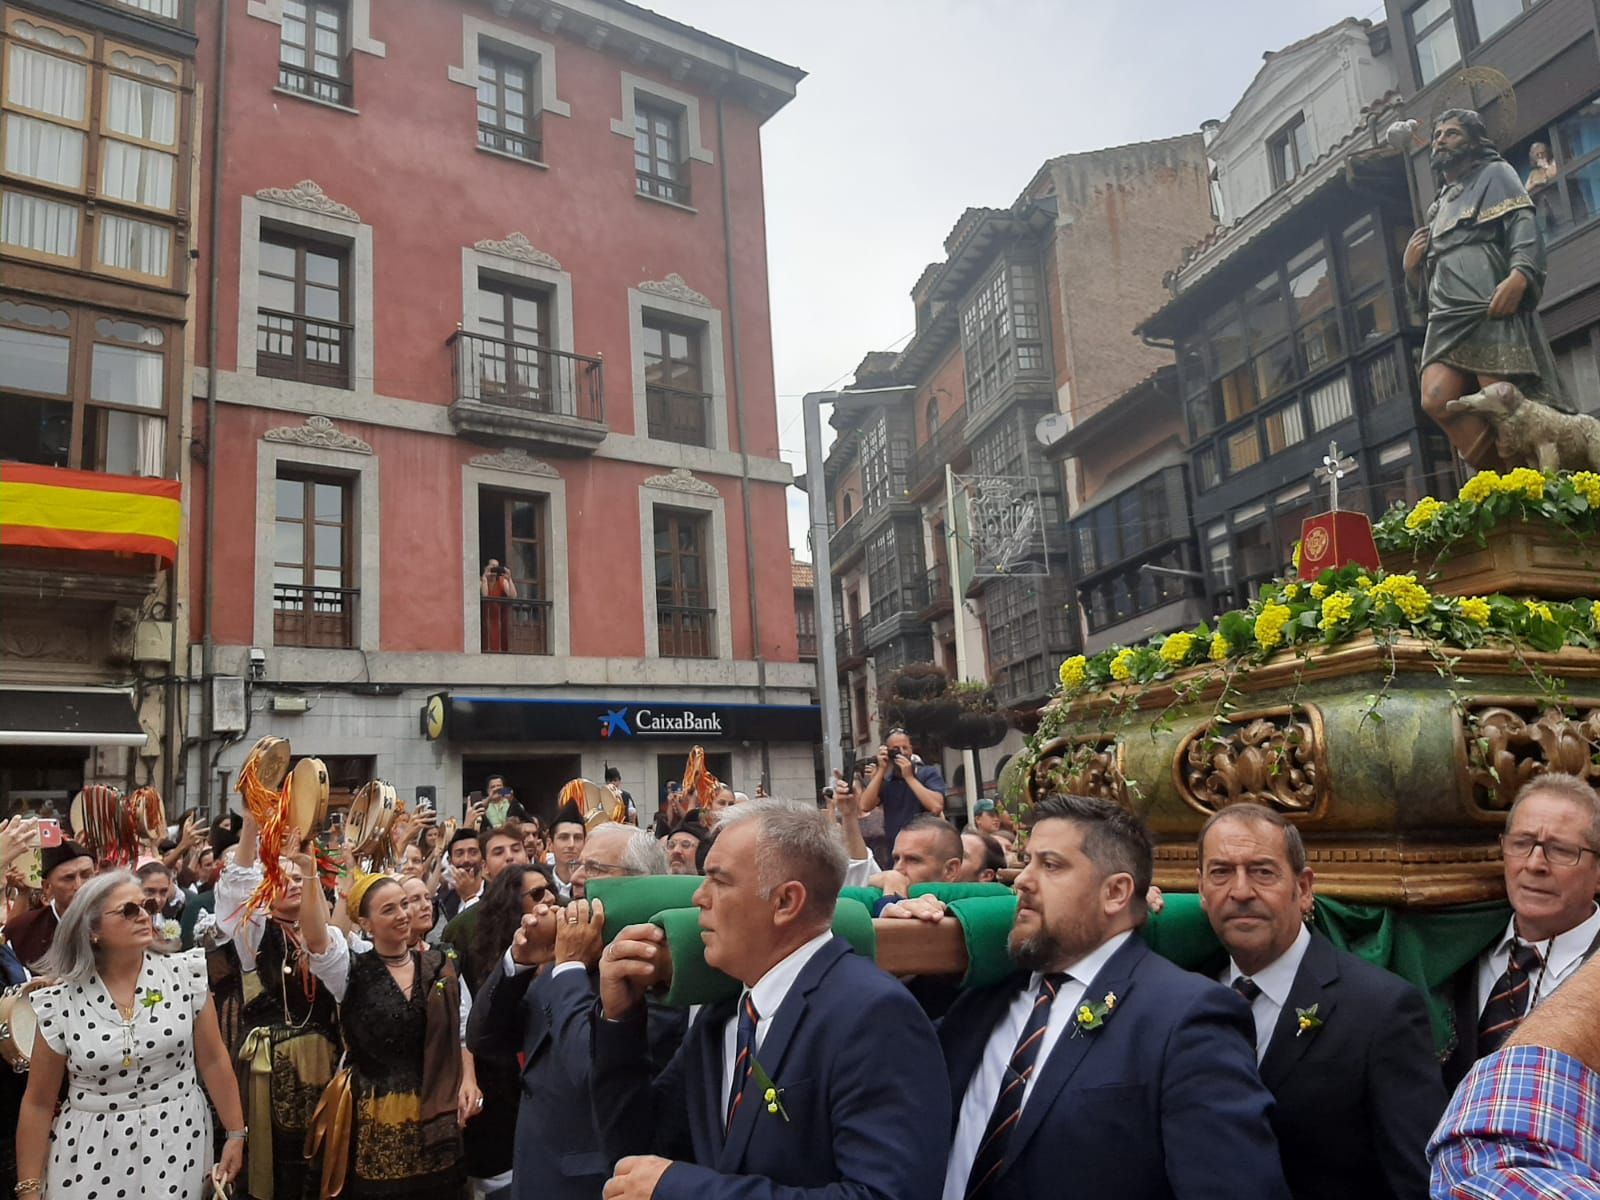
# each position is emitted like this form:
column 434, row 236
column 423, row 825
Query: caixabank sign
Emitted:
column 514, row 719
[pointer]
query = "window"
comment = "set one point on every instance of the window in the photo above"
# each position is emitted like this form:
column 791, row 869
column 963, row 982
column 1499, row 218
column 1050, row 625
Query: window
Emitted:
column 83, row 389
column 1289, row 151
column 513, row 365
column 55, row 142
column 1366, row 276
column 1330, row 404
column 507, row 118
column 684, row 614
column 931, row 417
column 1578, row 366
column 1433, row 35
column 1312, row 304
column 1027, row 631
column 313, row 603
column 1491, row 16
column 885, row 453
column 314, row 50
column 677, row 405
column 165, row 9
column 302, row 324
column 658, row 158
column 1001, row 332
column 515, row 608
column 1562, row 169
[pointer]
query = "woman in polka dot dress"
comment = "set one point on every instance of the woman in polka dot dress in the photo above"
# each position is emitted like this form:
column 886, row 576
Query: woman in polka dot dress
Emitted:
column 129, row 1028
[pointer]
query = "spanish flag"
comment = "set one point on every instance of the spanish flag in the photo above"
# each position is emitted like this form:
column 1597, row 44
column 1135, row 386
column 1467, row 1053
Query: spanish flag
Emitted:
column 86, row 510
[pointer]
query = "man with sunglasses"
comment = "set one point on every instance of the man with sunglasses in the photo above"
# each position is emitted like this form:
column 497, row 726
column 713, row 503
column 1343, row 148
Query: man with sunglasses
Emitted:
column 1552, row 872
column 539, row 1004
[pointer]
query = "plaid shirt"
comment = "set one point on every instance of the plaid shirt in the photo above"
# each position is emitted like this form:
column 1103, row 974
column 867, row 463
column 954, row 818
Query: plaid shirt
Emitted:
column 1523, row 1125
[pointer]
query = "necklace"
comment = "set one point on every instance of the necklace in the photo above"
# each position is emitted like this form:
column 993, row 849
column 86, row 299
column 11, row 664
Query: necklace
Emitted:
column 394, row 960
column 128, row 1014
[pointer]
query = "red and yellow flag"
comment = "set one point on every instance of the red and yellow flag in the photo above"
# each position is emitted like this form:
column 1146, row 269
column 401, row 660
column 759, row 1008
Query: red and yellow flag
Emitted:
column 85, row 510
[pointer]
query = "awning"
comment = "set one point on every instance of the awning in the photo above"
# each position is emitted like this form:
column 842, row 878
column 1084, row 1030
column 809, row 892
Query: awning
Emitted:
column 81, row 717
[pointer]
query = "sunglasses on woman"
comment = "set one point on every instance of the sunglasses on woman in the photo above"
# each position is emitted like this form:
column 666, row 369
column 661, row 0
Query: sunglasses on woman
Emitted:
column 131, row 911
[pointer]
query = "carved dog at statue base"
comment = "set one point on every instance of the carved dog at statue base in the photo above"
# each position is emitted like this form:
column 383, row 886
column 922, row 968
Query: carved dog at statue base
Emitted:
column 1530, row 434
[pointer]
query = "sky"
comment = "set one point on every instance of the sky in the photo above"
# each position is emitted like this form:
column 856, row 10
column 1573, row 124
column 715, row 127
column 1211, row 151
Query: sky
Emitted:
column 915, row 110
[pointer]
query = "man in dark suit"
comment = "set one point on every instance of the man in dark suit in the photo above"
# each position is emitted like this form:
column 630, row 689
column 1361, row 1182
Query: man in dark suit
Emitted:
column 822, row 1080
column 1344, row 1047
column 539, row 1003
column 67, row 868
column 1100, row 1067
column 1551, row 848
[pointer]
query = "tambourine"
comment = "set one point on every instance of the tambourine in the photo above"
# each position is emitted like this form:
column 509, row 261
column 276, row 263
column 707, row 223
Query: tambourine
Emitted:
column 19, row 1025
column 147, row 814
column 596, row 804
column 308, row 796
column 372, row 812
column 96, row 819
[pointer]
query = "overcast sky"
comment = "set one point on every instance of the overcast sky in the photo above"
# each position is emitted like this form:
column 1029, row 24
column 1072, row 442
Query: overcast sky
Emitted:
column 915, row 110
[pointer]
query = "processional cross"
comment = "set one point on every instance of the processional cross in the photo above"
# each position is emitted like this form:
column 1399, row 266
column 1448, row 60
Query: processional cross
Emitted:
column 1332, row 470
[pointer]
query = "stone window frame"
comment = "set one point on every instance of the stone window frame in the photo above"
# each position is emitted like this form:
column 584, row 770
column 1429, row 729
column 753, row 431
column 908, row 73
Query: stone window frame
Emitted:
column 361, row 38
column 361, row 467
column 352, row 233
column 473, row 32
column 693, row 144
column 710, row 320
column 552, row 279
column 553, row 490
column 652, row 497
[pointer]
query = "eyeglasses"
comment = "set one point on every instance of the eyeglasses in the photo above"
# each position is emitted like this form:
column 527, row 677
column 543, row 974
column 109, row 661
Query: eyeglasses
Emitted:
column 538, row 893
column 591, row 867
column 1557, row 854
column 151, row 905
column 131, row 911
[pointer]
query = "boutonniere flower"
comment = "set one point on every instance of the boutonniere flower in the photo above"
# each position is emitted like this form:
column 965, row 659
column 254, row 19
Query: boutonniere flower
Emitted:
column 771, row 1093
column 1306, row 1020
column 171, row 931
column 151, row 999
column 1091, row 1016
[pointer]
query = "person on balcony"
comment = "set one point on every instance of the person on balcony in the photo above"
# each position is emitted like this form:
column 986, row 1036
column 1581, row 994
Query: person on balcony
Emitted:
column 495, row 584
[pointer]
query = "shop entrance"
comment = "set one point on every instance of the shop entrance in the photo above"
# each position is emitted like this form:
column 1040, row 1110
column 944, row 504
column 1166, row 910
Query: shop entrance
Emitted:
column 669, row 769
column 537, row 780
column 41, row 779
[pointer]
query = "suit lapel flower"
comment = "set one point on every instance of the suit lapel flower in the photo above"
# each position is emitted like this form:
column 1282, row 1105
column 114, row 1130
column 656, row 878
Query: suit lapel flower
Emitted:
column 1091, row 1015
column 771, row 1093
column 1306, row 1020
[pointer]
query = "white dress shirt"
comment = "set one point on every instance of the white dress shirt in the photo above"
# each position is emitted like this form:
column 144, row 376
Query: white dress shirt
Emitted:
column 984, row 1086
column 1563, row 955
column 1275, row 982
column 768, row 995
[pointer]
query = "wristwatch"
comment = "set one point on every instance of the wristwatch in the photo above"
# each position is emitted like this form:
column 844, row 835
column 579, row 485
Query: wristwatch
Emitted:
column 236, row 1135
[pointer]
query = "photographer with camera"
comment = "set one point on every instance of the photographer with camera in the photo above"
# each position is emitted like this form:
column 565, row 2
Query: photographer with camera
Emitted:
column 495, row 584
column 903, row 785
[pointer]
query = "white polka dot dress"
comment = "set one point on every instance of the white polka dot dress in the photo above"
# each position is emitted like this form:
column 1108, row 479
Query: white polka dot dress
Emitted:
column 134, row 1125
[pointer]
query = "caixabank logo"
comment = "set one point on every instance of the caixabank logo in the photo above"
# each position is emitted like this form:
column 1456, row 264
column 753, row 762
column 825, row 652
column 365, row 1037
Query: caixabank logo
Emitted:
column 660, row 723
column 615, row 722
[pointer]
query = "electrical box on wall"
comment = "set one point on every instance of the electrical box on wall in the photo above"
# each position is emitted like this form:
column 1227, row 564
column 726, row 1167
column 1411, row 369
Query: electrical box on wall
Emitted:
column 228, row 711
column 290, row 704
column 152, row 641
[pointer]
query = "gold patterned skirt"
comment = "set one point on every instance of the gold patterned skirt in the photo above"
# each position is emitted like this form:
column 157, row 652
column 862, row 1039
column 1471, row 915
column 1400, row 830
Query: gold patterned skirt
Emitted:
column 394, row 1153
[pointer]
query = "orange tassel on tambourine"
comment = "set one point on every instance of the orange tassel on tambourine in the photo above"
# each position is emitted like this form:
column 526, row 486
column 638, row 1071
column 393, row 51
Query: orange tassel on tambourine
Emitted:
column 699, row 785
column 148, row 816
column 98, row 820
column 264, row 784
column 595, row 804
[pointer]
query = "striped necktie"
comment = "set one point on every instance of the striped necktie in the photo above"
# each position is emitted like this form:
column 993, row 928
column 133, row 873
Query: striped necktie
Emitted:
column 744, row 1048
column 1008, row 1104
column 1248, row 988
column 1508, row 999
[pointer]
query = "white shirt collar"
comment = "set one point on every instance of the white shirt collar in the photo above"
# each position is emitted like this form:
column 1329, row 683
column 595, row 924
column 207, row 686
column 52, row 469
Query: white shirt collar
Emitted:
column 1277, row 978
column 1565, row 950
column 772, row 988
column 1086, row 968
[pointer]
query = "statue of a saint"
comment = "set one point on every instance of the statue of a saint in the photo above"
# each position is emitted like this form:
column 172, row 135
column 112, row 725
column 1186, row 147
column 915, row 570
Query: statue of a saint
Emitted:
column 1476, row 271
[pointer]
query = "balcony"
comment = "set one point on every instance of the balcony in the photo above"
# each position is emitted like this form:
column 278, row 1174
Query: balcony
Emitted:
column 549, row 398
column 685, row 631
column 322, row 618
column 889, row 608
column 514, row 626
column 939, row 601
column 845, row 541
column 673, row 415
column 852, row 647
column 947, row 447
column 806, row 640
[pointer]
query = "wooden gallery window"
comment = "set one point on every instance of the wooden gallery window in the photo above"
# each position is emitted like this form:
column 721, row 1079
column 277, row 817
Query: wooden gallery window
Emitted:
column 303, row 329
column 684, row 614
column 515, row 609
column 314, row 50
column 677, row 405
column 313, row 602
column 507, row 120
column 658, row 158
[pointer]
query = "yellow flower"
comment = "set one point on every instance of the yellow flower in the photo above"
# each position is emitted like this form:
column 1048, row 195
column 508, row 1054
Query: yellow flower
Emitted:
column 1587, row 485
column 1318, row 591
column 1336, row 608
column 1269, row 625
column 1481, row 486
column 1523, row 481
column 1305, row 1024
column 1291, row 591
column 772, row 1108
column 1220, row 648
column 1176, row 648
column 1072, row 673
column 1475, row 609
column 771, row 1095
column 1085, row 1014
column 1295, row 556
column 1594, row 615
column 1542, row 611
column 1363, row 583
column 1122, row 666
column 1409, row 596
column 1427, row 511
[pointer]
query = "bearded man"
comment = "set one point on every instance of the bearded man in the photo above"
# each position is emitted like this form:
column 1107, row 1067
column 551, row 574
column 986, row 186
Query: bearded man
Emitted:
column 1476, row 271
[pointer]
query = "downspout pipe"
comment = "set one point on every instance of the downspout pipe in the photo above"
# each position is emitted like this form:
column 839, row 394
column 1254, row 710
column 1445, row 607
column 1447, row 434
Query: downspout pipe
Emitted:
column 738, row 426
column 214, row 275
